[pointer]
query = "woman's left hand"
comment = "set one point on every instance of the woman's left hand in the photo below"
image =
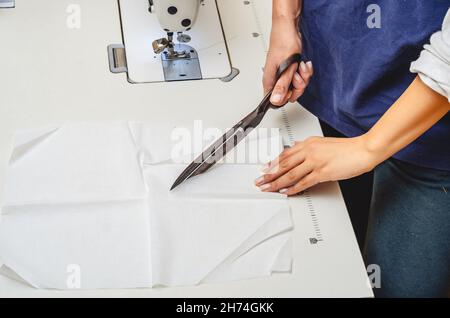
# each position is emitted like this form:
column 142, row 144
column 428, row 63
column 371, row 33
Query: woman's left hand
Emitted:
column 314, row 161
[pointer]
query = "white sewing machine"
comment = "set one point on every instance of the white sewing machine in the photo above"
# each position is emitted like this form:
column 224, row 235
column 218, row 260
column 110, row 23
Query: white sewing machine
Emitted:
column 58, row 72
column 175, row 40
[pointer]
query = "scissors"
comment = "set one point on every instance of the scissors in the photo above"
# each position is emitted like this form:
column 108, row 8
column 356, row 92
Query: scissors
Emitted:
column 235, row 135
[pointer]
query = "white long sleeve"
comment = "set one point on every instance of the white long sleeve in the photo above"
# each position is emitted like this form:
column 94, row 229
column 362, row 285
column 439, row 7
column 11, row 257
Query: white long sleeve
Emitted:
column 433, row 65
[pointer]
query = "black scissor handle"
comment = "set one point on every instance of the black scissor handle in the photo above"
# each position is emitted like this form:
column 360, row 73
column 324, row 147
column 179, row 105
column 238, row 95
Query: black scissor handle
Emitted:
column 254, row 118
column 295, row 58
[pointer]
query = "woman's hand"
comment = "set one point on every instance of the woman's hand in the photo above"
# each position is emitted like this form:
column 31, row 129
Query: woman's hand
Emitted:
column 284, row 42
column 314, row 161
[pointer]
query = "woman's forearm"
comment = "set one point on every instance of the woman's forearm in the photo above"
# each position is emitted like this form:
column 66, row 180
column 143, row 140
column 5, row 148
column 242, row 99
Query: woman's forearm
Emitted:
column 318, row 160
column 416, row 111
column 285, row 40
column 286, row 10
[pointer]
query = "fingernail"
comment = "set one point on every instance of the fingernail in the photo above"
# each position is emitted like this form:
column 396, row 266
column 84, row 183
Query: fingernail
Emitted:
column 264, row 187
column 267, row 170
column 273, row 169
column 310, row 65
column 277, row 98
column 283, row 191
column 259, row 181
column 265, row 167
column 303, row 67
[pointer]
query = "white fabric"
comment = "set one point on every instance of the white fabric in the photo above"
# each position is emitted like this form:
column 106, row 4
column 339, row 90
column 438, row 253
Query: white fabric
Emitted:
column 433, row 65
column 207, row 221
column 75, row 163
column 75, row 196
column 96, row 196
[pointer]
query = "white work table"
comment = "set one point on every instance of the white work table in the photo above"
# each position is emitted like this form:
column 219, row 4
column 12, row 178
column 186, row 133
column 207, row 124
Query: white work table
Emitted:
column 52, row 74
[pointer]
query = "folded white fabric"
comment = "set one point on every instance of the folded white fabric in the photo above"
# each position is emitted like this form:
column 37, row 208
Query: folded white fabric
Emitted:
column 197, row 227
column 74, row 163
column 94, row 200
column 75, row 198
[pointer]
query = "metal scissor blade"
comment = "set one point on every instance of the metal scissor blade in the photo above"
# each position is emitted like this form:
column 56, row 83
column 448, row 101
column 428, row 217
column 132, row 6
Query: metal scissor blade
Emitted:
column 234, row 136
column 219, row 148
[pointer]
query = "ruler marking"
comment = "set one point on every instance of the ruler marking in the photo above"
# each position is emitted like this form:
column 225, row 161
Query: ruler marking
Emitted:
column 309, row 201
column 314, row 218
column 291, row 136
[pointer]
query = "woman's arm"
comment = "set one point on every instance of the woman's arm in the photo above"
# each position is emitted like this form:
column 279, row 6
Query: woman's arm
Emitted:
column 422, row 105
column 433, row 65
column 319, row 159
column 285, row 41
column 417, row 110
column 427, row 98
column 286, row 10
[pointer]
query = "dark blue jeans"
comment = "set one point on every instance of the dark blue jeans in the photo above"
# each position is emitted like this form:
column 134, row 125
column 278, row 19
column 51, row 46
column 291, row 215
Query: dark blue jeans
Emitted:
column 409, row 230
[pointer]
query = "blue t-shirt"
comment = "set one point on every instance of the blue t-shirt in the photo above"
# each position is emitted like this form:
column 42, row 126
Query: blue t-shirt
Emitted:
column 362, row 65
